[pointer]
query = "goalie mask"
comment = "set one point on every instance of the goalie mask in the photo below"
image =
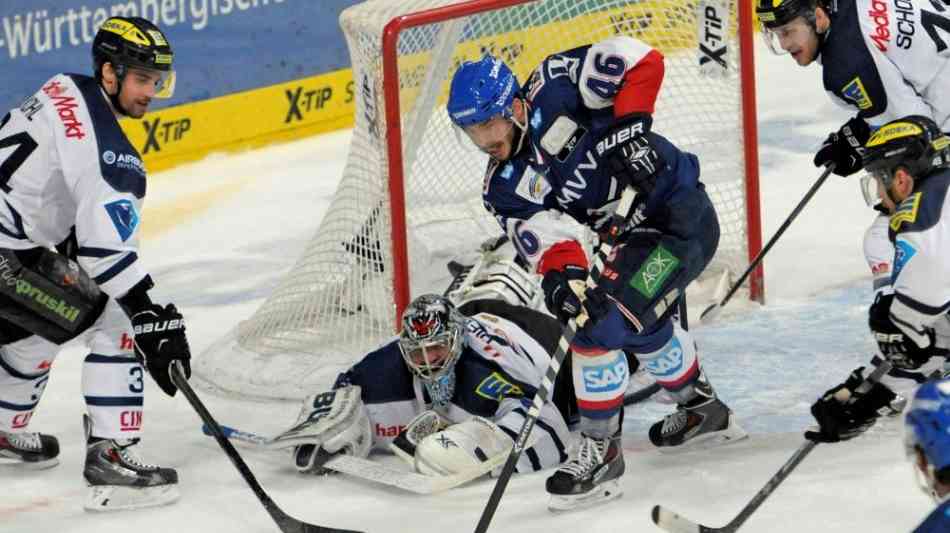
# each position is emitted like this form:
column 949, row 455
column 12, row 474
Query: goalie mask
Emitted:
column 431, row 338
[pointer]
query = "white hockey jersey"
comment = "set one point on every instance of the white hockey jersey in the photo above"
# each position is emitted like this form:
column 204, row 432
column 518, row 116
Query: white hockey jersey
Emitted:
column 920, row 230
column 65, row 163
column 879, row 254
column 496, row 377
column 890, row 58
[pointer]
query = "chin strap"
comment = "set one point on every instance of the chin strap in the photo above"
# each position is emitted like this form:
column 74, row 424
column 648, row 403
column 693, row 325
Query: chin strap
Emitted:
column 521, row 130
column 114, row 98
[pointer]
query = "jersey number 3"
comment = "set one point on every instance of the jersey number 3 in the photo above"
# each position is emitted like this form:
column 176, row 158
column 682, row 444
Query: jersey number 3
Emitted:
column 24, row 146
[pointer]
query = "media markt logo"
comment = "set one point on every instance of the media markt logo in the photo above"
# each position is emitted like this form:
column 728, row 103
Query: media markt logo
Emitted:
column 654, row 272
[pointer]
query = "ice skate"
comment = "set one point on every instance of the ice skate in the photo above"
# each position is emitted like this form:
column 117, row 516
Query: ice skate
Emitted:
column 118, row 479
column 590, row 478
column 701, row 422
column 32, row 451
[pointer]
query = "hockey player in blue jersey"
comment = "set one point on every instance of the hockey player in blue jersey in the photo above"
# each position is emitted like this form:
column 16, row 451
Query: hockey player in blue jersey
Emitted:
column 447, row 378
column 566, row 144
column 927, row 440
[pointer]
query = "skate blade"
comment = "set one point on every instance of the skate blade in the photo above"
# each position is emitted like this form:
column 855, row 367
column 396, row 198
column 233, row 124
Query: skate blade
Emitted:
column 732, row 433
column 606, row 491
column 8, row 463
column 118, row 498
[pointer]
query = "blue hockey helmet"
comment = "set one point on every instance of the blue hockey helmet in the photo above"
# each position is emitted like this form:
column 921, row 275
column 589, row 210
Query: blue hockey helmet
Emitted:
column 927, row 428
column 481, row 90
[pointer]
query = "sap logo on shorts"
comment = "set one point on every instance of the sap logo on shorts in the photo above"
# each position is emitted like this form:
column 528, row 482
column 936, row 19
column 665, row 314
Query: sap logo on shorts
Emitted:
column 855, row 93
column 668, row 362
column 903, row 252
column 130, row 420
column 606, row 378
column 496, row 387
column 654, row 272
column 389, row 432
column 124, row 217
column 21, row 420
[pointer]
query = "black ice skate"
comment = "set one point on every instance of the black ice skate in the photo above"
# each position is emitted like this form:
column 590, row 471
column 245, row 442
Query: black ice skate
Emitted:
column 590, row 478
column 701, row 422
column 118, row 479
column 33, row 451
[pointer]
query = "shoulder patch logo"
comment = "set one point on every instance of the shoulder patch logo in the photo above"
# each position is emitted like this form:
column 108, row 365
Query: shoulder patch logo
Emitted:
column 855, row 93
column 124, row 217
column 903, row 252
column 906, row 212
column 496, row 387
column 533, row 187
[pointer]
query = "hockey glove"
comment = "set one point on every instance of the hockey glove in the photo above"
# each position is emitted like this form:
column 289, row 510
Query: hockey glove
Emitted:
column 159, row 340
column 898, row 348
column 630, row 154
column 563, row 290
column 844, row 147
column 842, row 414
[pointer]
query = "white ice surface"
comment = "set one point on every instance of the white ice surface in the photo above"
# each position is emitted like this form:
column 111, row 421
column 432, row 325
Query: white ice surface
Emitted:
column 768, row 363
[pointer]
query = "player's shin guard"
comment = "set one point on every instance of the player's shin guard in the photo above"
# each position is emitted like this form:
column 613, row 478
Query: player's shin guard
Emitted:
column 600, row 380
column 24, row 372
column 701, row 419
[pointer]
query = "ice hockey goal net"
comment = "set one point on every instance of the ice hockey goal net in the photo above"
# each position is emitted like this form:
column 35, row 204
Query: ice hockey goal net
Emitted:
column 410, row 196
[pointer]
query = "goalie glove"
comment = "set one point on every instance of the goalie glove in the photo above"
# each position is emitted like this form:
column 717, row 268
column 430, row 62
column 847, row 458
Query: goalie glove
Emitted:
column 461, row 447
column 329, row 423
column 423, row 425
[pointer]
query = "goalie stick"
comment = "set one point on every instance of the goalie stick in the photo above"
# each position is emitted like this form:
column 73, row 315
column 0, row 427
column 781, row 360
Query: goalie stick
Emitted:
column 378, row 473
column 712, row 311
column 285, row 522
column 675, row 523
column 617, row 224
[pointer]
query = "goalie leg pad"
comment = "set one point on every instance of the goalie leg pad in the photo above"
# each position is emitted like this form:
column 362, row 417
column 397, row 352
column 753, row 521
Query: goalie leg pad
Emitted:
column 461, row 447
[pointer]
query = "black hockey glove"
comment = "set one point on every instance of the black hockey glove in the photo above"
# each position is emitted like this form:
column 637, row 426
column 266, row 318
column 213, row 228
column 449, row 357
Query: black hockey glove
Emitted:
column 844, row 147
column 159, row 340
column 898, row 348
column 842, row 414
column 561, row 288
column 630, row 154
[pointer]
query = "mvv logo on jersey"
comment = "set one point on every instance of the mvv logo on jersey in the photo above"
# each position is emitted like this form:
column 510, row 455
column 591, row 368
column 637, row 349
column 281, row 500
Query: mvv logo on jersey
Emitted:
column 606, row 378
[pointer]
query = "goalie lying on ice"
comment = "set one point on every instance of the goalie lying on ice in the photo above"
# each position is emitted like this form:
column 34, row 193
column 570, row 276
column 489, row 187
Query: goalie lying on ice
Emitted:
column 450, row 392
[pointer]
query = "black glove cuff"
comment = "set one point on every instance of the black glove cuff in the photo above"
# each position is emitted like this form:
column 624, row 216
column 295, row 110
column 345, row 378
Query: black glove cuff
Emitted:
column 136, row 299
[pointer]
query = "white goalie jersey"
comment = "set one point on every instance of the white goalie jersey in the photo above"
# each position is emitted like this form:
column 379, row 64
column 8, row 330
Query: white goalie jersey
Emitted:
column 66, row 164
column 496, row 377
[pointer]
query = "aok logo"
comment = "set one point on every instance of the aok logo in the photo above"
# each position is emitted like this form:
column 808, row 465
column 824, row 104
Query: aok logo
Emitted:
column 301, row 101
column 130, row 420
column 160, row 133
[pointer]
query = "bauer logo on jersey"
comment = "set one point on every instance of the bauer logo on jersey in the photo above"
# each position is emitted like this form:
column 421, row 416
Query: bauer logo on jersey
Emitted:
column 654, row 272
column 126, row 161
column 903, row 253
column 855, row 93
column 124, row 217
column 496, row 387
column 606, row 378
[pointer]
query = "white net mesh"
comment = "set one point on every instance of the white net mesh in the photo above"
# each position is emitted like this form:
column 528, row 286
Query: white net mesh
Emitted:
column 337, row 301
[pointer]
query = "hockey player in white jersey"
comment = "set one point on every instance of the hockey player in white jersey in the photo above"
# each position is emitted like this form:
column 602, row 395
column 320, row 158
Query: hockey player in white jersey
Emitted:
column 450, row 392
column 909, row 160
column 71, row 180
